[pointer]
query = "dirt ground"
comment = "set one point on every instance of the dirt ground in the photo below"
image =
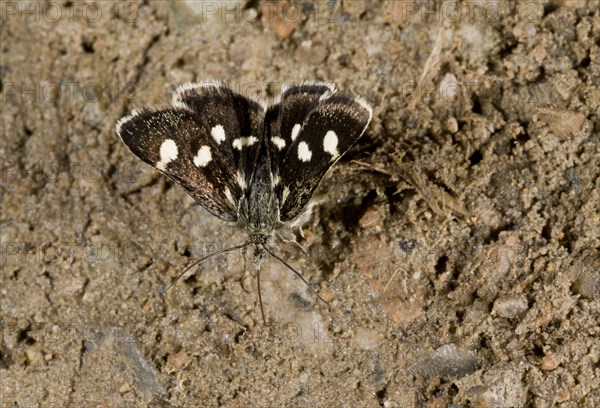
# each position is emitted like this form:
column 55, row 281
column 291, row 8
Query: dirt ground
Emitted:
column 457, row 243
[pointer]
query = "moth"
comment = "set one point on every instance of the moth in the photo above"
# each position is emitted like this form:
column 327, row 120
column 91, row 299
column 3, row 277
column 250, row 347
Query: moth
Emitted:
column 245, row 162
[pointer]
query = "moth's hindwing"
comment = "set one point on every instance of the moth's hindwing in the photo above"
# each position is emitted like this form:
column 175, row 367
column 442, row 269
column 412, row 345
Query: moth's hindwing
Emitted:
column 235, row 122
column 327, row 124
column 285, row 118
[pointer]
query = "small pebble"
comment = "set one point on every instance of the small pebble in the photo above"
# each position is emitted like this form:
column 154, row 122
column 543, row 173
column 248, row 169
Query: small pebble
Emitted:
column 549, row 362
column 178, row 360
column 510, row 306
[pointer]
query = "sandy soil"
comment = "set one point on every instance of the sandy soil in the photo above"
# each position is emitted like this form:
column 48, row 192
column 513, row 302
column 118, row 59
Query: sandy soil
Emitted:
column 457, row 242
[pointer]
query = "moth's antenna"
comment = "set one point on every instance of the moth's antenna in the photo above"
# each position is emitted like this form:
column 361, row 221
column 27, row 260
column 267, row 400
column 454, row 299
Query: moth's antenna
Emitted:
column 262, row 311
column 298, row 274
column 204, row 258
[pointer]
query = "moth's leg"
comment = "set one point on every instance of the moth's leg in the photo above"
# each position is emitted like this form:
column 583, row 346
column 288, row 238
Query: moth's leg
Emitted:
column 244, row 256
column 297, row 273
column 291, row 239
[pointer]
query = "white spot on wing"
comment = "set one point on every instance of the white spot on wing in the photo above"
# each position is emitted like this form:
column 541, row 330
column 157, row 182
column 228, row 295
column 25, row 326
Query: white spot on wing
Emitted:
column 279, row 142
column 203, row 157
column 304, row 152
column 330, row 143
column 275, row 178
column 295, row 131
column 244, row 141
column 284, row 194
column 168, row 153
column 241, row 179
column 229, row 196
column 218, row 133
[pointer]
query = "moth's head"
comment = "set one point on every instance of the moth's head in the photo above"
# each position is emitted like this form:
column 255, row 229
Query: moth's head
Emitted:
column 260, row 238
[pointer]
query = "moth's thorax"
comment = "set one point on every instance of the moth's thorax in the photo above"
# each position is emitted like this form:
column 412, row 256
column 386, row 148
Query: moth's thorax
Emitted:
column 259, row 207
